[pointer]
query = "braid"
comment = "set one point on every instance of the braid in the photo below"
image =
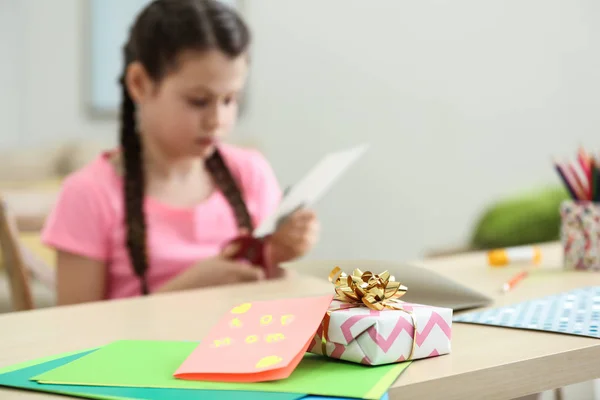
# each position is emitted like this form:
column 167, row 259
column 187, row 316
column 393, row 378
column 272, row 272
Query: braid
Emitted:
column 160, row 33
column 134, row 182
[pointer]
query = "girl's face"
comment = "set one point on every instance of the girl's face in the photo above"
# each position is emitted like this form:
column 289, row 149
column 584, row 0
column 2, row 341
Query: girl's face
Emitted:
column 191, row 108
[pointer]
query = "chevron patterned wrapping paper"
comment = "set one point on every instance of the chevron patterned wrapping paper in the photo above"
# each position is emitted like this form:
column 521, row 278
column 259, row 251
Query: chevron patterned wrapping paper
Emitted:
column 580, row 235
column 366, row 336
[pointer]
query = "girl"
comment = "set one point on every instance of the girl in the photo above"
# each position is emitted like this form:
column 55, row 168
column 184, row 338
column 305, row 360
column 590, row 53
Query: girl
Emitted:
column 154, row 215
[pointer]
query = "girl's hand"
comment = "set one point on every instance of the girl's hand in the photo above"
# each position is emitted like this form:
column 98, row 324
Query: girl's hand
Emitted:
column 294, row 237
column 223, row 269
column 215, row 271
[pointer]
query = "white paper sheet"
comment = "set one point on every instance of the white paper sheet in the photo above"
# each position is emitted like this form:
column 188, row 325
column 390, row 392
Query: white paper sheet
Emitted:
column 313, row 186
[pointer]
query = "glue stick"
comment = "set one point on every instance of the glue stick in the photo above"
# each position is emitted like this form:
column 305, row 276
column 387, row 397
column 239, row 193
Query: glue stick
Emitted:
column 520, row 254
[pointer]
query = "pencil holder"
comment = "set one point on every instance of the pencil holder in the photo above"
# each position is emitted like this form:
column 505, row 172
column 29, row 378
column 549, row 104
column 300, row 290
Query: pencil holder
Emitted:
column 580, row 235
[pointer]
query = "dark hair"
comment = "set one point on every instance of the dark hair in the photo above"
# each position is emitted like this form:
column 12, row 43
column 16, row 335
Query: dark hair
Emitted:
column 161, row 32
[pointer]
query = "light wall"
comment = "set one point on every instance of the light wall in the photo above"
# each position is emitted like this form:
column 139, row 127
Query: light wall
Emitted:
column 463, row 101
column 47, row 52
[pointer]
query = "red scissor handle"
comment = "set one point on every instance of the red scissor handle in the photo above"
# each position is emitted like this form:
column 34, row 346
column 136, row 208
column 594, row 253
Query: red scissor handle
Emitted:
column 253, row 250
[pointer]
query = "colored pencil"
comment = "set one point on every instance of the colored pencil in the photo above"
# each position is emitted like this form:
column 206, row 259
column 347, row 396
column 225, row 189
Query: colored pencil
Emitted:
column 566, row 182
column 508, row 286
column 581, row 177
column 580, row 181
column 595, row 180
column 586, row 163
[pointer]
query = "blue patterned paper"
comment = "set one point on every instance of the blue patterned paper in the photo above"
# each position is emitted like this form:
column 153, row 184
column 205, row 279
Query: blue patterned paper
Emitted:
column 576, row 312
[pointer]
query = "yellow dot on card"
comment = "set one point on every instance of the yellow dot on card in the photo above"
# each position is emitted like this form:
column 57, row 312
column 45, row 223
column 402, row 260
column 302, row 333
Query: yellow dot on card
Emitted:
column 268, row 361
column 266, row 319
column 222, row 342
column 241, row 309
column 236, row 323
column 252, row 339
column 287, row 319
column 274, row 337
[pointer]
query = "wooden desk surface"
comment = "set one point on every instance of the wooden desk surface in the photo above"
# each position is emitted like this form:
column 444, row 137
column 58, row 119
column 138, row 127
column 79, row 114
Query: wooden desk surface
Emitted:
column 486, row 362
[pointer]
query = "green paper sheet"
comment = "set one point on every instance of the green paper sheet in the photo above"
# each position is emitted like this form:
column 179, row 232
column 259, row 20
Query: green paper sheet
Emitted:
column 17, row 376
column 151, row 364
column 20, row 378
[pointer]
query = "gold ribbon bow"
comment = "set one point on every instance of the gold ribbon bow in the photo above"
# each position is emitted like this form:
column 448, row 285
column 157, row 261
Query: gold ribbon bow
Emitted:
column 374, row 291
column 377, row 292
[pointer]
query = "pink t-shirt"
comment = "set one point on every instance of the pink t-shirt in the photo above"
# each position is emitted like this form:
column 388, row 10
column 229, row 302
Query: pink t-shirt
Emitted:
column 88, row 221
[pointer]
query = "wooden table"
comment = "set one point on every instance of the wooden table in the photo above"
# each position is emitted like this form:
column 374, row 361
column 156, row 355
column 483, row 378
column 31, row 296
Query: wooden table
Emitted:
column 485, row 363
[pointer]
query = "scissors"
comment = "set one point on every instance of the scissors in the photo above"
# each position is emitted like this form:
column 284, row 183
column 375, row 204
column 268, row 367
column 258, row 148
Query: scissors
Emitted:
column 255, row 249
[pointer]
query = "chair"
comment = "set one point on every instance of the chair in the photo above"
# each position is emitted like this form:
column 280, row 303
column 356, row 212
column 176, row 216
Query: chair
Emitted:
column 20, row 263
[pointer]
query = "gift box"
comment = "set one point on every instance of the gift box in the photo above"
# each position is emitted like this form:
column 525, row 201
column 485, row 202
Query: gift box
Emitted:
column 373, row 327
column 580, row 235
